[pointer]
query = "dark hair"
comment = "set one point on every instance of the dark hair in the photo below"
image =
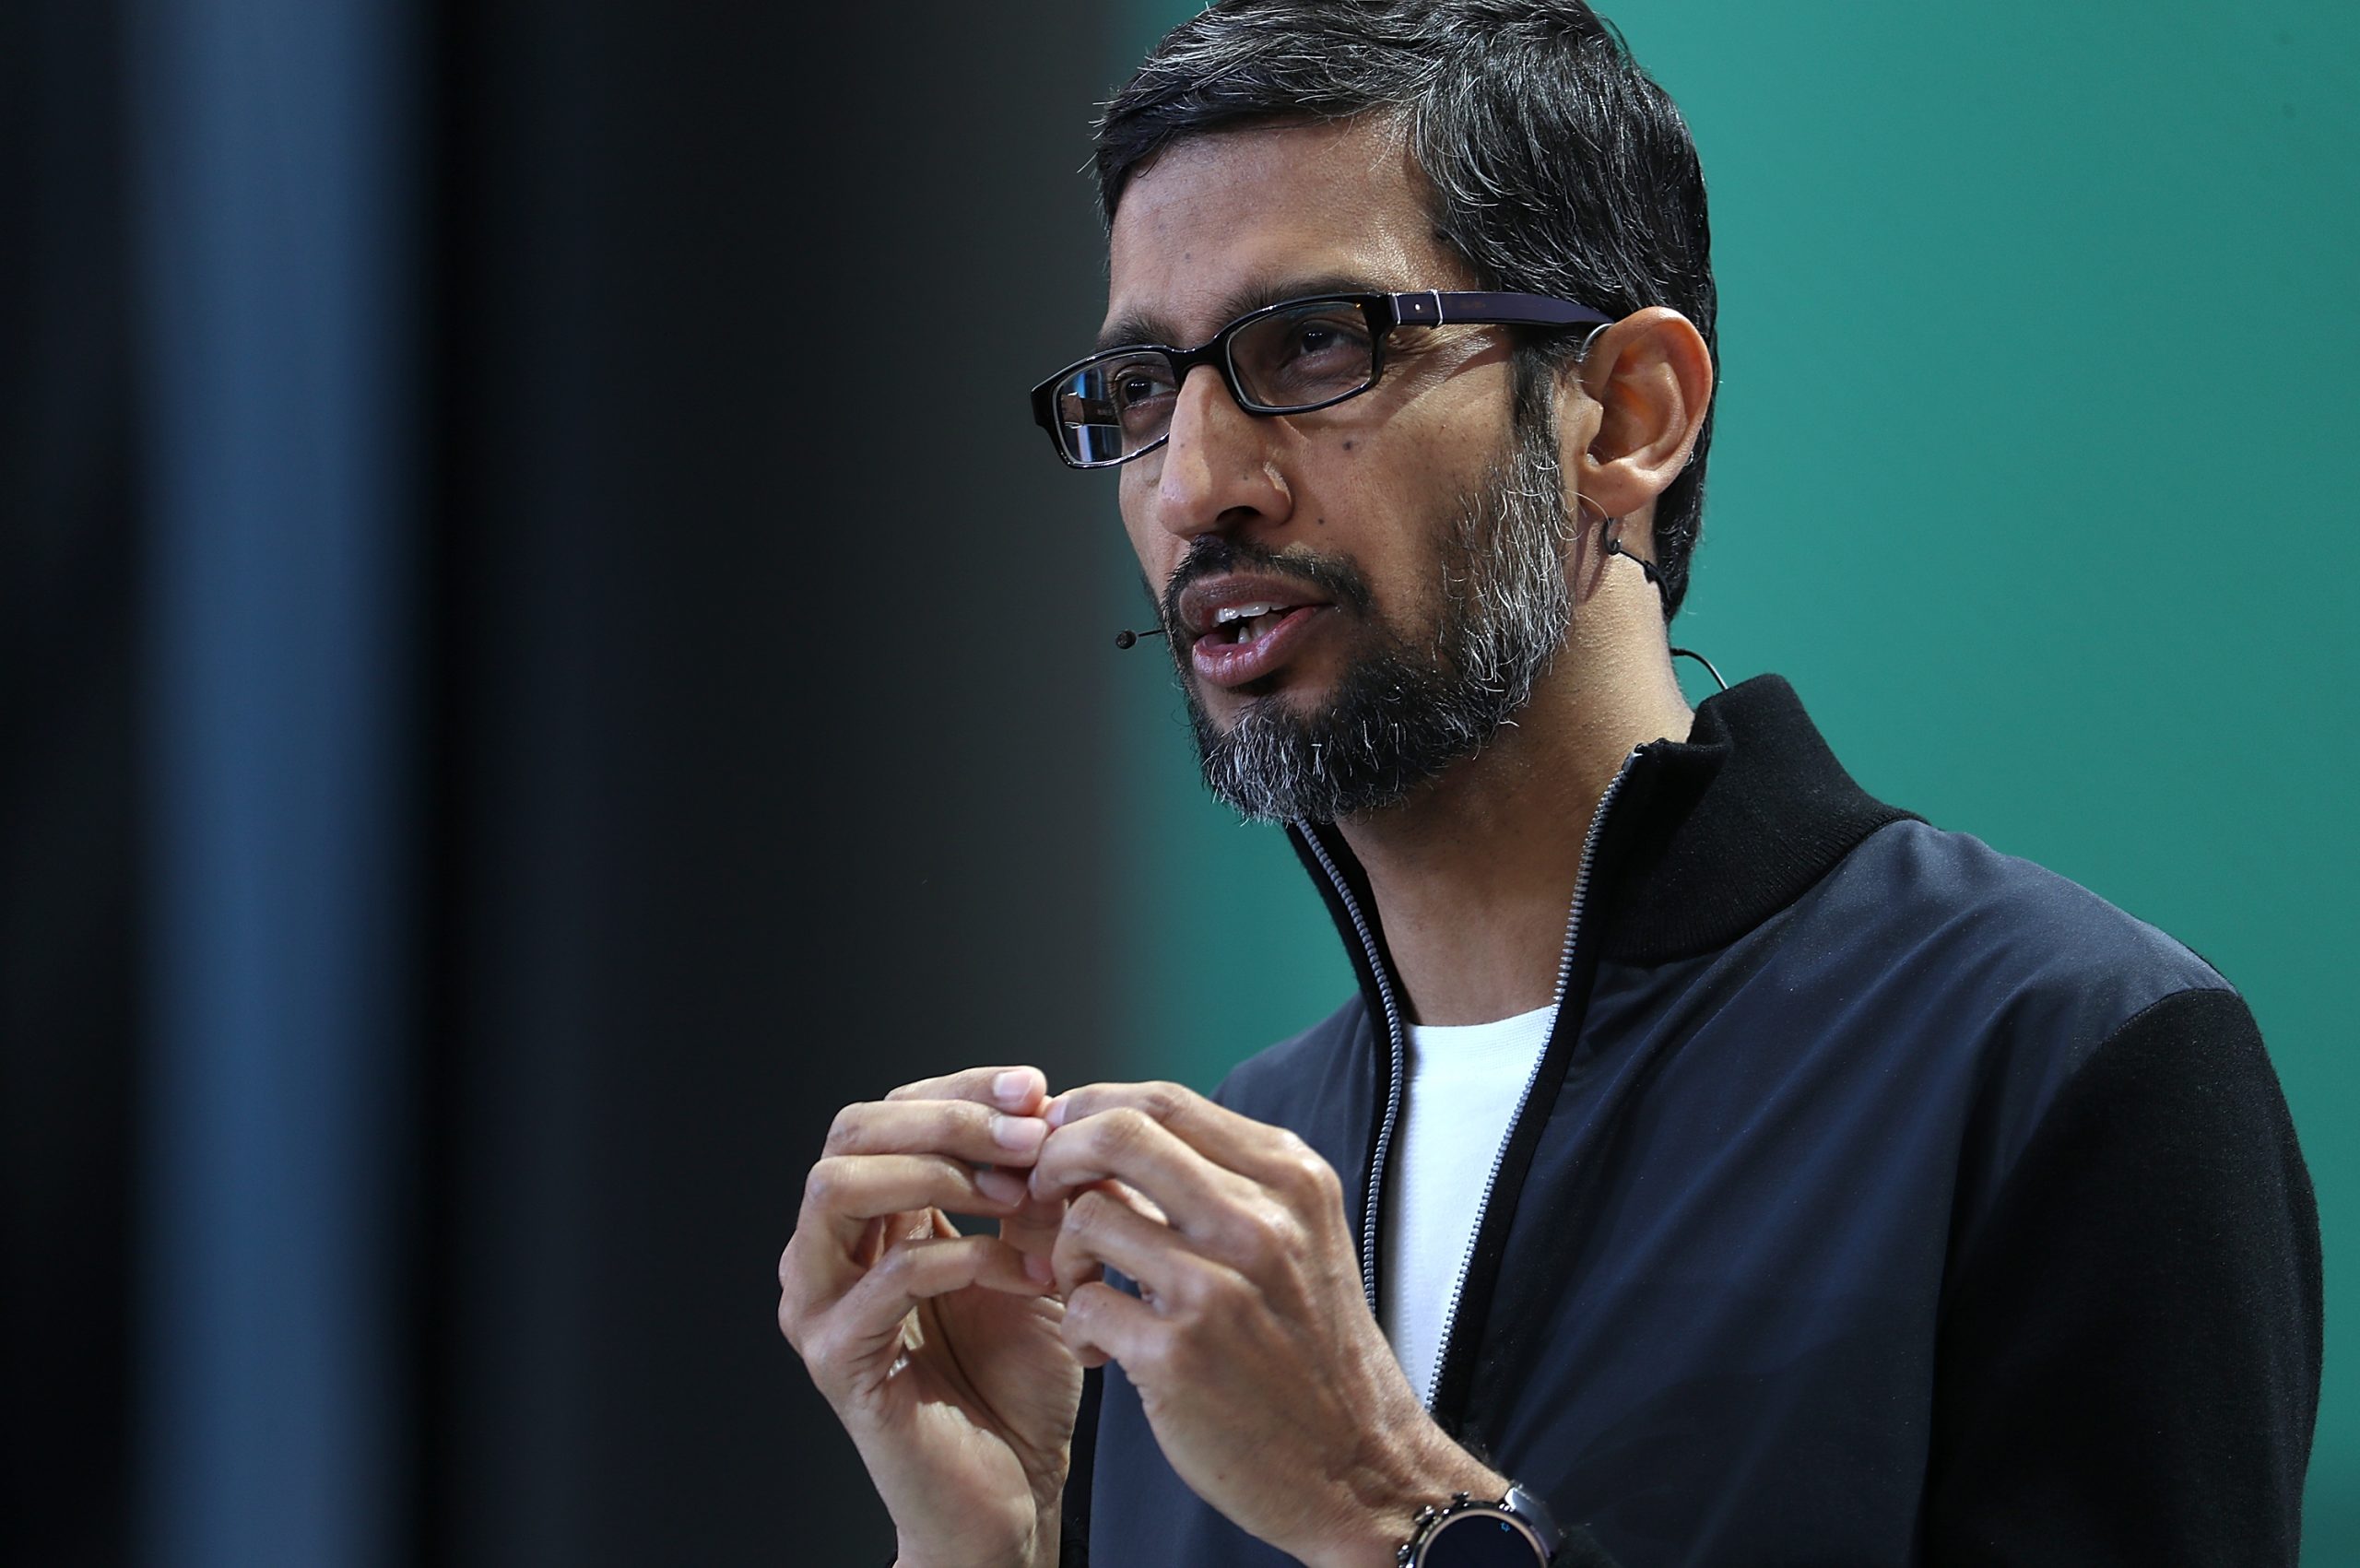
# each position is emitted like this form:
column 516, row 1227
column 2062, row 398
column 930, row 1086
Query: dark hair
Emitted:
column 1555, row 165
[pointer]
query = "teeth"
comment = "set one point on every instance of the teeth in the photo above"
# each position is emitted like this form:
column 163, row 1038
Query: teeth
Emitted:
column 1242, row 623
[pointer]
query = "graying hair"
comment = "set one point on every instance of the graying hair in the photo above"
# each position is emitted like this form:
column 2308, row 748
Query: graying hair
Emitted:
column 1405, row 712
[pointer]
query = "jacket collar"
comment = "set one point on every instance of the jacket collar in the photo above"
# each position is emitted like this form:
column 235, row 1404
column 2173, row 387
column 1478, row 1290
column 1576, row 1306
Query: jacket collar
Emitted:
column 1708, row 838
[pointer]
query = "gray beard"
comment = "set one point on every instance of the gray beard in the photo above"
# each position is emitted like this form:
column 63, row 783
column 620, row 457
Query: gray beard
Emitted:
column 1405, row 710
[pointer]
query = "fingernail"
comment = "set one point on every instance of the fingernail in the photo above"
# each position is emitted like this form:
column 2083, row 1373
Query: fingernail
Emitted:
column 1037, row 1269
column 1017, row 1132
column 1000, row 1186
column 1012, row 1087
column 1056, row 1111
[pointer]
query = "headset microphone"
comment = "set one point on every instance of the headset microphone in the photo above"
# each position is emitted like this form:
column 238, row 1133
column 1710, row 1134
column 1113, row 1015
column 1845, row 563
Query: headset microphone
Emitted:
column 1124, row 639
column 1614, row 546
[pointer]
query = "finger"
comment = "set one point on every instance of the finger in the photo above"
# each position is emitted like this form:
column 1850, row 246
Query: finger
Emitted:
column 1256, row 1151
column 1102, row 1324
column 869, row 1316
column 1021, row 1090
column 1101, row 1231
column 1126, row 1144
column 1032, row 1229
column 958, row 1128
column 844, row 1192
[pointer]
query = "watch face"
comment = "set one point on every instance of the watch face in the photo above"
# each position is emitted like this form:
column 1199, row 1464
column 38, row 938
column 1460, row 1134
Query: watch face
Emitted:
column 1481, row 1540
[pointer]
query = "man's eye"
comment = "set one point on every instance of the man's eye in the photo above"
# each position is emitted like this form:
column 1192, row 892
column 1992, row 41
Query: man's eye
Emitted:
column 1140, row 393
column 1137, row 387
column 1295, row 360
column 1316, row 337
column 1326, row 337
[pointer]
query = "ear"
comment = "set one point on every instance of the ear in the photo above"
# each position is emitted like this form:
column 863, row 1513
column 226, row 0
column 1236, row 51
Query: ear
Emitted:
column 1648, row 379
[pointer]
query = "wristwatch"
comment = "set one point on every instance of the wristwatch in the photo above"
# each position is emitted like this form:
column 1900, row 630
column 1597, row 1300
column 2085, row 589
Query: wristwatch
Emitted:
column 1515, row 1532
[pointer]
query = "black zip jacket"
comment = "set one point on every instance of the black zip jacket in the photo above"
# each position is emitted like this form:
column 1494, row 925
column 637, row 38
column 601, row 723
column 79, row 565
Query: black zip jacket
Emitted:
column 1877, row 1199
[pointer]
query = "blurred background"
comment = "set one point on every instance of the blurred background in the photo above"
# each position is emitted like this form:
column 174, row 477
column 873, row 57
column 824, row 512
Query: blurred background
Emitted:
column 542, row 656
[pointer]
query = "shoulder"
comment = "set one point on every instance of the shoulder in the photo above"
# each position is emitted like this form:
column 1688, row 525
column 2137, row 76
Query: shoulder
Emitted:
column 2036, row 969
column 2109, row 1052
column 2006, row 981
column 1962, row 897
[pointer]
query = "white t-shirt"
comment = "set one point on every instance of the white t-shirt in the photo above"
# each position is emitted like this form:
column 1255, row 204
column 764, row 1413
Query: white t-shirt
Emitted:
column 1464, row 1083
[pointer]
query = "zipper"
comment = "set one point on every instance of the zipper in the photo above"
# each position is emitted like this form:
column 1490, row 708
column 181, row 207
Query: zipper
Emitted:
column 1398, row 1045
column 1394, row 1041
column 1523, row 1098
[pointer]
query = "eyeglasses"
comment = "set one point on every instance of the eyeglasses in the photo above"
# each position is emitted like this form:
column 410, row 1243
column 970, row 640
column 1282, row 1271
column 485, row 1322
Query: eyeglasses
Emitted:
column 1290, row 358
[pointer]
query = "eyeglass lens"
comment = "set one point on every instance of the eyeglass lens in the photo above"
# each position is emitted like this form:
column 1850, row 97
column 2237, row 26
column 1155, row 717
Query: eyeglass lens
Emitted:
column 1295, row 357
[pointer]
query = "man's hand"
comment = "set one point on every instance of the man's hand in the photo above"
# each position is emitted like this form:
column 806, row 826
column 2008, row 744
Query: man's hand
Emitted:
column 940, row 1352
column 1268, row 1383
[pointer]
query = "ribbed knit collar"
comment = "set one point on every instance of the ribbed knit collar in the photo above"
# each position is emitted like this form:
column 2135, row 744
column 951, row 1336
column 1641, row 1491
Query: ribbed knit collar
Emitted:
column 1708, row 837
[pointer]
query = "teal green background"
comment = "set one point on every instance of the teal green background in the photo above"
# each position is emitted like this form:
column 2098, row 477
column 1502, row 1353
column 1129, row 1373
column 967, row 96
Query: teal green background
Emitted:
column 2033, row 474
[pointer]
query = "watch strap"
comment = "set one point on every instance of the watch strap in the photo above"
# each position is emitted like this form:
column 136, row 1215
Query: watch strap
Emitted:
column 1532, row 1510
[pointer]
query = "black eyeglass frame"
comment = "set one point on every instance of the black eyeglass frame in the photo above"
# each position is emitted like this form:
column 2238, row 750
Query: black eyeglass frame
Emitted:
column 1427, row 307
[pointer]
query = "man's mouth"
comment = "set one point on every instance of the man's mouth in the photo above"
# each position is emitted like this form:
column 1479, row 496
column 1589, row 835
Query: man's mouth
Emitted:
column 1238, row 617
column 1245, row 624
column 1241, row 632
column 1238, row 608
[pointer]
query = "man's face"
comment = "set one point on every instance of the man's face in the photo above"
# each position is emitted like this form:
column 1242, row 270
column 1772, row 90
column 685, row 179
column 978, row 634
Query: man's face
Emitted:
column 1407, row 546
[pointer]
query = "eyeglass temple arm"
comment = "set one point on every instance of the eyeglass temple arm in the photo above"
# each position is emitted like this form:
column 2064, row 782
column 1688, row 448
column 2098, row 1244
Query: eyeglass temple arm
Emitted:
column 1434, row 308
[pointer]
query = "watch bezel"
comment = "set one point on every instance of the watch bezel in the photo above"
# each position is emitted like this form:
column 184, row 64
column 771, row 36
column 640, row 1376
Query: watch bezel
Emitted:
column 1433, row 1521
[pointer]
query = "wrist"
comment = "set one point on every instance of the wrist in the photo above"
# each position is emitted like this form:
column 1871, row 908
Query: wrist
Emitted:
column 1383, row 1515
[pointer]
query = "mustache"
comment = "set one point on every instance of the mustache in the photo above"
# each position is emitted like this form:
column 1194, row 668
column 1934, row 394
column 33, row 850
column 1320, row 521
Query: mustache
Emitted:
column 1210, row 555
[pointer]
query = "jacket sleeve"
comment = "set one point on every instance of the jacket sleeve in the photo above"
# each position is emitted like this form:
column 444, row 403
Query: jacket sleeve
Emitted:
column 1081, row 1475
column 2128, row 1368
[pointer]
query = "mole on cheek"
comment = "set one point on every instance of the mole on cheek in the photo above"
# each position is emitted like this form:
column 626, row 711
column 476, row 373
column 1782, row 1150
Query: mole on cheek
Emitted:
column 1348, row 443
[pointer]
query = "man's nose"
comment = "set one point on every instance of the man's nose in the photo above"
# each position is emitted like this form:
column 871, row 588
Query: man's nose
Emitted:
column 1218, row 472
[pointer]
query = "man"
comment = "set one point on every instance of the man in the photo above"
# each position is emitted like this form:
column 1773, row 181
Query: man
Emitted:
column 1728, row 1165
